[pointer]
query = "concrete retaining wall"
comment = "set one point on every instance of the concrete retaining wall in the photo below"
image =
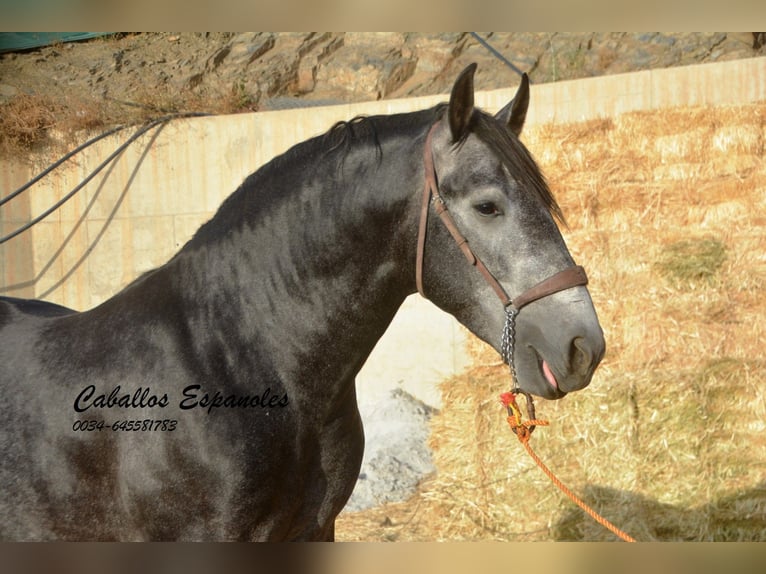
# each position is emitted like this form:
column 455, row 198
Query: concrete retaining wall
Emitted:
column 138, row 212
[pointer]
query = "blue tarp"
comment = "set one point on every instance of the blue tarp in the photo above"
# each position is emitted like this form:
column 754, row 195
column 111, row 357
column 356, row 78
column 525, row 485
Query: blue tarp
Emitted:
column 16, row 41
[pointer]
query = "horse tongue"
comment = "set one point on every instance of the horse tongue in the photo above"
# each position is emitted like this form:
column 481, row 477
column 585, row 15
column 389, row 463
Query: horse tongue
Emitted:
column 550, row 376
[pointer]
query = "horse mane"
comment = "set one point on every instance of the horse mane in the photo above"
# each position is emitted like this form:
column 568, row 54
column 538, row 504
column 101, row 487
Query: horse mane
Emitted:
column 361, row 130
column 330, row 149
column 344, row 134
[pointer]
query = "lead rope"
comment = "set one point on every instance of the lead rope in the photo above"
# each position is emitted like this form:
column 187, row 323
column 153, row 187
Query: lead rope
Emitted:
column 523, row 429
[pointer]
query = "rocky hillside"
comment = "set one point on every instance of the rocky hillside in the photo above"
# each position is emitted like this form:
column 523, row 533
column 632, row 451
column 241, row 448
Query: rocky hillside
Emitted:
column 227, row 72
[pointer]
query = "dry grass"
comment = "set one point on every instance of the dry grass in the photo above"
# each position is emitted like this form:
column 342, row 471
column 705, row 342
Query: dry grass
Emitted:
column 25, row 121
column 666, row 211
column 30, row 121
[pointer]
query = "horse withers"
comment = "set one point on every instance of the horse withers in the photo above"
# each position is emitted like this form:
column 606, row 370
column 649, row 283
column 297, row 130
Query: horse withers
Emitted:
column 213, row 398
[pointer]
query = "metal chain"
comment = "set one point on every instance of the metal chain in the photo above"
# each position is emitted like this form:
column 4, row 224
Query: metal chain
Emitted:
column 508, row 341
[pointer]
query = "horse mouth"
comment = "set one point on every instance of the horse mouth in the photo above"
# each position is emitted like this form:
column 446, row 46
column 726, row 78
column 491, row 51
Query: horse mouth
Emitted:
column 548, row 374
column 551, row 389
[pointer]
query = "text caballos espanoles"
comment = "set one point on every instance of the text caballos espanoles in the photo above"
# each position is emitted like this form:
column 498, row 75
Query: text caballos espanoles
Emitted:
column 193, row 397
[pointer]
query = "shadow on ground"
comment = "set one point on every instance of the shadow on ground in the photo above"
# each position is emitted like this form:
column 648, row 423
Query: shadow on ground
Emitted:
column 740, row 517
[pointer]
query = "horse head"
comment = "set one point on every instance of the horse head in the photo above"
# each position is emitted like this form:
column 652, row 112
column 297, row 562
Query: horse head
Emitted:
column 503, row 218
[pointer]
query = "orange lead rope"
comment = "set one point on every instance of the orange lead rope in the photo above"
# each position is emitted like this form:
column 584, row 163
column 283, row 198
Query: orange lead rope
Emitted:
column 523, row 430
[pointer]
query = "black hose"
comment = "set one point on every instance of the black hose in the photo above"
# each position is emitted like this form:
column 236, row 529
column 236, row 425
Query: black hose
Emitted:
column 53, row 166
column 145, row 128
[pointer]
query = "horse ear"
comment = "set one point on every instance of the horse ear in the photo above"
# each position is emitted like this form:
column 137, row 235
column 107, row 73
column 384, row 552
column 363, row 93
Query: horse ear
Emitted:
column 461, row 103
column 515, row 112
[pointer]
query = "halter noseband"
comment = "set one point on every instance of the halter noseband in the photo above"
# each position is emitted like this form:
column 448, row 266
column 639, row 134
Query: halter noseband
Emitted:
column 566, row 279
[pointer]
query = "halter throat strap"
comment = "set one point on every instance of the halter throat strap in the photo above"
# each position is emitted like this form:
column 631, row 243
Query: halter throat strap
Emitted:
column 571, row 277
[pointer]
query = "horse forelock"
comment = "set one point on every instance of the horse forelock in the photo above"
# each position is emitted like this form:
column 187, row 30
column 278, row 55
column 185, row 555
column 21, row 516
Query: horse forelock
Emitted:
column 516, row 159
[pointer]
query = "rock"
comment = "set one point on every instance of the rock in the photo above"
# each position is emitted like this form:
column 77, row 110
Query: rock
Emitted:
column 306, row 80
column 264, row 69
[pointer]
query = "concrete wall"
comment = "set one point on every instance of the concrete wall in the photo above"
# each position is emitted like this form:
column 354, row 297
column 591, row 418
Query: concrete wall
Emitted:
column 139, row 211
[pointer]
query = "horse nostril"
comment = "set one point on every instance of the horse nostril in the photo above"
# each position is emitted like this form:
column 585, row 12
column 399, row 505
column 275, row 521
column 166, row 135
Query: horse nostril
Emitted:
column 581, row 357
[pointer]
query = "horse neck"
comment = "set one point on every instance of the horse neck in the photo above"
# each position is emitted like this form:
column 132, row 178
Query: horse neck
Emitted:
column 308, row 263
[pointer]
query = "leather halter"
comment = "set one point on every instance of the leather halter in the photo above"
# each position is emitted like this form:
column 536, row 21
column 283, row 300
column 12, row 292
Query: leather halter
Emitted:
column 568, row 278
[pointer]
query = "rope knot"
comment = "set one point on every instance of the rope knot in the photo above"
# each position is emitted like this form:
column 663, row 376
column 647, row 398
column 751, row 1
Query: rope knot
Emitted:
column 521, row 428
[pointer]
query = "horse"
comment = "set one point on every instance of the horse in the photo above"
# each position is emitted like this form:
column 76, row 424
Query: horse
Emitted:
column 213, row 398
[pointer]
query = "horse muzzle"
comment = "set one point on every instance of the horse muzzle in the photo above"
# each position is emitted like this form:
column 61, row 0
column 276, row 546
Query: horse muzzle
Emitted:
column 554, row 357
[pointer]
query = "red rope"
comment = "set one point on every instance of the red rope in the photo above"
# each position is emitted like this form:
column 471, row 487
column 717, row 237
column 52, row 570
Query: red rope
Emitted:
column 523, row 430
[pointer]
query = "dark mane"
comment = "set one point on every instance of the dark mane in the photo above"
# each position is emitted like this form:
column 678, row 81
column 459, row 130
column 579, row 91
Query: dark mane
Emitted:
column 341, row 136
column 517, row 159
column 328, row 151
column 361, row 130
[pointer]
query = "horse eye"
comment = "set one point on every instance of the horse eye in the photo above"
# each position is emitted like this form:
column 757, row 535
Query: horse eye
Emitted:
column 487, row 208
